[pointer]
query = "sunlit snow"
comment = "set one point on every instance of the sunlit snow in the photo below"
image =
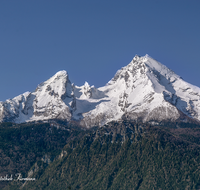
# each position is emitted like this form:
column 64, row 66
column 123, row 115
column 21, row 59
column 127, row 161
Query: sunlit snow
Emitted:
column 144, row 89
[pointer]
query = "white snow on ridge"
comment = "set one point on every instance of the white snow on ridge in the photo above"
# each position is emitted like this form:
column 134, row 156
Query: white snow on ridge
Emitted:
column 143, row 90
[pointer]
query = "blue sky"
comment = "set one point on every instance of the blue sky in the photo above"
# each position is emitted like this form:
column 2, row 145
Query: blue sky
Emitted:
column 92, row 39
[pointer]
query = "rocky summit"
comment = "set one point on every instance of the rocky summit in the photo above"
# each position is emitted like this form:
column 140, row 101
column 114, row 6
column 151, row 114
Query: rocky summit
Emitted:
column 144, row 90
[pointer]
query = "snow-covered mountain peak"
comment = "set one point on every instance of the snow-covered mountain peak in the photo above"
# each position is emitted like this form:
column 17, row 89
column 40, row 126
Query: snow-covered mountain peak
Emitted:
column 149, row 62
column 145, row 87
column 144, row 90
column 142, row 68
column 136, row 57
column 84, row 91
column 60, row 73
column 56, row 85
column 134, row 70
column 86, row 85
column 58, row 77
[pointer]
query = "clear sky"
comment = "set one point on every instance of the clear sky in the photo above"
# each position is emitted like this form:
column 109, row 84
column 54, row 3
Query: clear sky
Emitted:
column 92, row 39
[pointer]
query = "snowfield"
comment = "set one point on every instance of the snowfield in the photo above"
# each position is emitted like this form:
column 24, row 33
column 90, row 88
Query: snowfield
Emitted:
column 144, row 90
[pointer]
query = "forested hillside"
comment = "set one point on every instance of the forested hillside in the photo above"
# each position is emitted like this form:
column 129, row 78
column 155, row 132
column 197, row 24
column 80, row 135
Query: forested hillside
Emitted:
column 120, row 155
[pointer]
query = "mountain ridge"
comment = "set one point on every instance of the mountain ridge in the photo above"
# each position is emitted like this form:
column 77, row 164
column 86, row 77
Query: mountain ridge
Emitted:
column 144, row 90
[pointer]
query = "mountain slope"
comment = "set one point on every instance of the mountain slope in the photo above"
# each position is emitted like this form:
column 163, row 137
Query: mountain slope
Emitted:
column 144, row 90
column 125, row 155
column 52, row 99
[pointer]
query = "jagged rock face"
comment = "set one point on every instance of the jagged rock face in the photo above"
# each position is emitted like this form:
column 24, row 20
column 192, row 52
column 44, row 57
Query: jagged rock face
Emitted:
column 11, row 108
column 144, row 90
column 51, row 99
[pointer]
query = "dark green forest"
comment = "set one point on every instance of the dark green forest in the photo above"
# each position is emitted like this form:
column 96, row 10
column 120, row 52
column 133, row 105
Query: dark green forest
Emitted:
column 119, row 155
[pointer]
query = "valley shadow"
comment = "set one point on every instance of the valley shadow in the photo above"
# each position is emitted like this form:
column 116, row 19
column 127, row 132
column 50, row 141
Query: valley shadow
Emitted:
column 174, row 99
column 165, row 82
column 84, row 106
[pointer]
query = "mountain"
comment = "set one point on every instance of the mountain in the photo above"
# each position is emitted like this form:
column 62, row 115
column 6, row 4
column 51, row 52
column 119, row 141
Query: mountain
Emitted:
column 120, row 155
column 144, row 90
